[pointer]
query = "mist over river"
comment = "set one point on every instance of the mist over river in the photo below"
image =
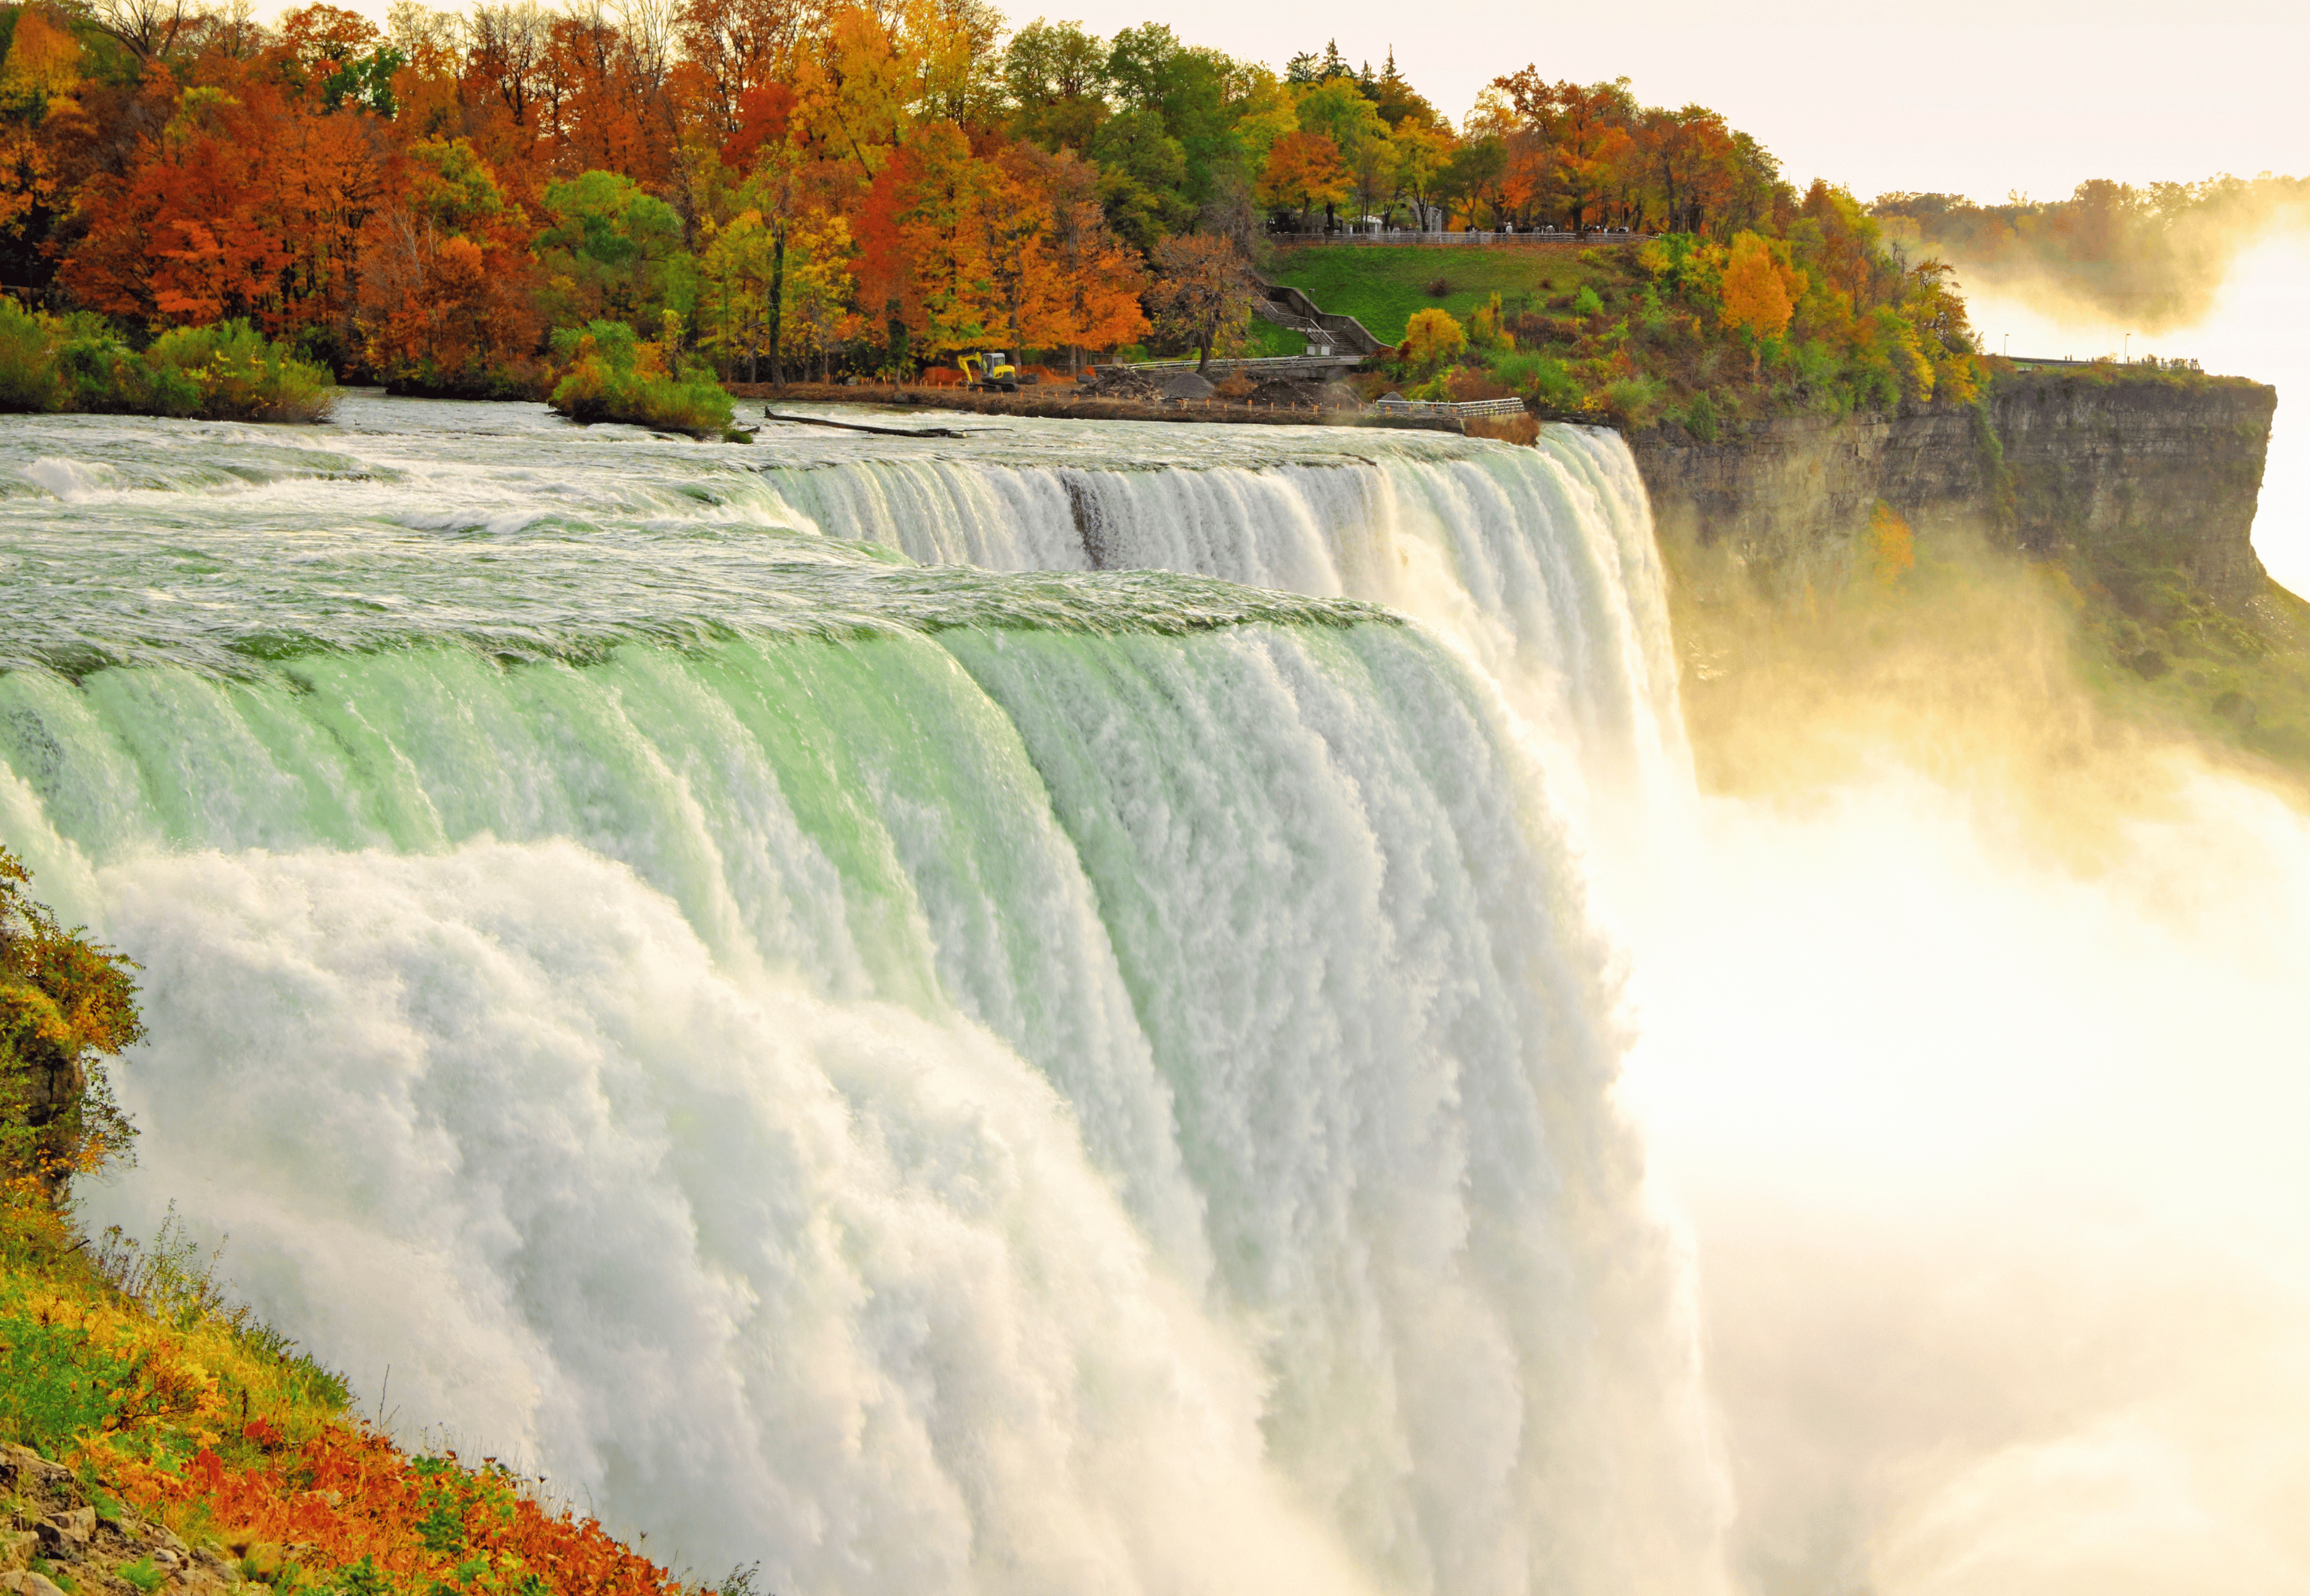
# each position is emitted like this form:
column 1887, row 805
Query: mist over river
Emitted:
column 1116, row 1009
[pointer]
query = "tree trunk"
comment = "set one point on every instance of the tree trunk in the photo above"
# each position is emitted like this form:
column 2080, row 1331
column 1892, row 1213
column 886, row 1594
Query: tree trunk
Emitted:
column 777, row 302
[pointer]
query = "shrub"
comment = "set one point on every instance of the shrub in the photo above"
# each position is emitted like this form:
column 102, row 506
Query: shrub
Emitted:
column 1439, row 287
column 1485, row 328
column 28, row 374
column 1634, row 400
column 239, row 376
column 65, row 1004
column 1700, row 417
column 1523, row 430
column 229, row 372
column 611, row 376
column 1542, row 378
column 1431, row 337
column 1586, row 303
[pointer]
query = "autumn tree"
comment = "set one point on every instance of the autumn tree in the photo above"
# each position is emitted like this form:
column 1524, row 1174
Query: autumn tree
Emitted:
column 448, row 302
column 1431, row 337
column 1303, row 171
column 40, row 82
column 739, row 48
column 1202, row 297
column 1760, row 291
column 1078, row 285
column 923, row 255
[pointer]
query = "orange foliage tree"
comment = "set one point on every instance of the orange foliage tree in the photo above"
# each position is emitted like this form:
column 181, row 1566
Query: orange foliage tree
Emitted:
column 1303, row 171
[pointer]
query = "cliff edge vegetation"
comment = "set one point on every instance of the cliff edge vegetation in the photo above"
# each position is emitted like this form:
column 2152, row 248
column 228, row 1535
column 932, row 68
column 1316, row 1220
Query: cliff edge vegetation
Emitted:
column 2060, row 574
column 155, row 1439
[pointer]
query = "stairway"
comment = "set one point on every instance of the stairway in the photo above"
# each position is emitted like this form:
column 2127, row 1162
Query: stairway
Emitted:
column 1289, row 308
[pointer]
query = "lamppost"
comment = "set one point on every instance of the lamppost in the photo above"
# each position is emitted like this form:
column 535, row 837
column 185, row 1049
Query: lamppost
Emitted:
column 2129, row 349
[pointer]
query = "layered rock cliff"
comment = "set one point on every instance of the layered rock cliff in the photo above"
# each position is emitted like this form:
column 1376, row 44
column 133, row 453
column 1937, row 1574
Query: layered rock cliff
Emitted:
column 2102, row 464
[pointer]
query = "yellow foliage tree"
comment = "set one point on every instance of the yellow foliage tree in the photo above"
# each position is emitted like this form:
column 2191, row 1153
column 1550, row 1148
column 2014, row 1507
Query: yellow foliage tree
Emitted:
column 1760, row 291
column 1485, row 330
column 1891, row 547
column 1432, row 337
column 817, row 289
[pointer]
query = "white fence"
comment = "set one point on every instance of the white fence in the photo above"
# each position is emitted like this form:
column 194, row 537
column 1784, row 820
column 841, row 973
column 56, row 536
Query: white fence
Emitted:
column 1408, row 235
column 1255, row 365
column 1393, row 406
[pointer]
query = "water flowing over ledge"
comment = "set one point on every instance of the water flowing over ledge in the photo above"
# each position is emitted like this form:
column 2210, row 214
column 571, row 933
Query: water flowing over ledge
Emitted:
column 937, row 1079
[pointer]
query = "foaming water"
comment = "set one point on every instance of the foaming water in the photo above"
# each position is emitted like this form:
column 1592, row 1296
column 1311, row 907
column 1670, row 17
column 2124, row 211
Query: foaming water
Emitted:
column 926, row 1077
column 1042, row 1074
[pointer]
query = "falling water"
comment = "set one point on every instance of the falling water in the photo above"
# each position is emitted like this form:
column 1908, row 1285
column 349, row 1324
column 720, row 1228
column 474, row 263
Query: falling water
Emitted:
column 1029, row 1075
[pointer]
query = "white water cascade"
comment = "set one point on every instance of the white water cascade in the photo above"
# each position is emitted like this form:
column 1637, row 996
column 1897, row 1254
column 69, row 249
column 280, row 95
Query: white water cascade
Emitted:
column 1050, row 1077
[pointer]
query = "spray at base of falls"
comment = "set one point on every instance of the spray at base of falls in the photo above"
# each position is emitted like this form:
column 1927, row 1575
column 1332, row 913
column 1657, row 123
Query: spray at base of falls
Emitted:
column 1079, row 1100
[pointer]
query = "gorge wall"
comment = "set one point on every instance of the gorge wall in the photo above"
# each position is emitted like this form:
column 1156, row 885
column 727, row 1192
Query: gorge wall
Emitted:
column 2055, row 463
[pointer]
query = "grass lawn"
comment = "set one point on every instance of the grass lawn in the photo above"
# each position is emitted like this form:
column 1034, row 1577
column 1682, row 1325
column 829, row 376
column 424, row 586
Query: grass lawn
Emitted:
column 1382, row 284
column 1268, row 340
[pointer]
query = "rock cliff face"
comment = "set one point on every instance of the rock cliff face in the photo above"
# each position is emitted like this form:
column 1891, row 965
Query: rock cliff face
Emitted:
column 2055, row 462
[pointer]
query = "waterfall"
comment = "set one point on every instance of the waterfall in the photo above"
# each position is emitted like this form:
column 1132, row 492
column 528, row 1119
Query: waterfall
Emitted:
column 1056, row 1076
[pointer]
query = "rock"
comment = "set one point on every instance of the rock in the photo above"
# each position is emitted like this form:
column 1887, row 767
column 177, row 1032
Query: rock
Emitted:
column 17, row 1547
column 1187, row 384
column 23, row 1459
column 71, row 1529
column 24, row 1583
column 2169, row 471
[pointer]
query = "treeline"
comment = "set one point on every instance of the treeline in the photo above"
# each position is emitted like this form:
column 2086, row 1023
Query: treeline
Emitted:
column 2153, row 254
column 470, row 203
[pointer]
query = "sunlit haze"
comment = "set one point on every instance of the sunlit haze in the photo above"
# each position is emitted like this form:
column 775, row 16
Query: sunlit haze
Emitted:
column 2257, row 330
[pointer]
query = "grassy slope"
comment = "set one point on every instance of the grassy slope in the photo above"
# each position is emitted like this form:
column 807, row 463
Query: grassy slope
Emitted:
column 2160, row 649
column 1381, row 285
column 153, row 1441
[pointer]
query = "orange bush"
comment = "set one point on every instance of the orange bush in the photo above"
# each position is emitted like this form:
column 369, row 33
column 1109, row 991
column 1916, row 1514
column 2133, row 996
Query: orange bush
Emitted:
column 349, row 1498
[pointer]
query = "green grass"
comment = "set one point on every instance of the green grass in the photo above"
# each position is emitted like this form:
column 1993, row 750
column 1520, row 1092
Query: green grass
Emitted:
column 55, row 1384
column 1268, row 341
column 1382, row 284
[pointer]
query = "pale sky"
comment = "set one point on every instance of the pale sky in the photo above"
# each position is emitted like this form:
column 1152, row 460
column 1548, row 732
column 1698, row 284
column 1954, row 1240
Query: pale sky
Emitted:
column 1976, row 96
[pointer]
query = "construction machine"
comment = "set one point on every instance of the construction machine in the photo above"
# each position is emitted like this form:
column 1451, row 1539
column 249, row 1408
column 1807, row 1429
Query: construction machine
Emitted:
column 989, row 371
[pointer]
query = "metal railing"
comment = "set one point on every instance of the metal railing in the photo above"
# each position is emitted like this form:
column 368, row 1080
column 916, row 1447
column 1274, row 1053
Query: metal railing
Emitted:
column 2149, row 362
column 1408, row 235
column 1393, row 406
column 1254, row 364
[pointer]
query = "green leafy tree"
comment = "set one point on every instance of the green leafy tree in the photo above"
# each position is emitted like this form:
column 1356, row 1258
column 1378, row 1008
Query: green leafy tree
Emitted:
column 1142, row 172
column 1057, row 76
column 613, row 249
column 66, row 1004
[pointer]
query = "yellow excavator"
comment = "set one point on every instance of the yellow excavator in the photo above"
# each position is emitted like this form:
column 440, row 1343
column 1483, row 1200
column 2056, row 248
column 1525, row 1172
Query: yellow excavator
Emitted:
column 989, row 371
